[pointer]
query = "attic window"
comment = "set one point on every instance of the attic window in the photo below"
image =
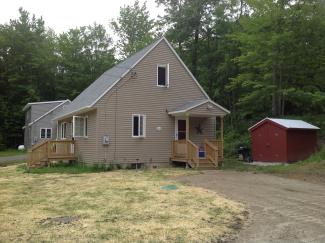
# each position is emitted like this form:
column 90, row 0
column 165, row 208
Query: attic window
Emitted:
column 163, row 75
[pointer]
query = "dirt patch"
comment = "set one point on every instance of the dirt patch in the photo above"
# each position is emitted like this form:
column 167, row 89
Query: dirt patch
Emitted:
column 60, row 220
column 281, row 209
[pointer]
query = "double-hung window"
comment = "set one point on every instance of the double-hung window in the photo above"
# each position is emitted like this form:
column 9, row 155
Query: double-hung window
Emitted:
column 138, row 126
column 46, row 133
column 80, row 126
column 163, row 75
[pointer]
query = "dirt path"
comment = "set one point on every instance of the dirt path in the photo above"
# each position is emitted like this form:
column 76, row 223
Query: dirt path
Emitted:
column 281, row 210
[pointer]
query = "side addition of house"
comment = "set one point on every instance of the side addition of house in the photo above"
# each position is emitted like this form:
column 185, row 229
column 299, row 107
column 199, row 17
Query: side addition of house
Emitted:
column 39, row 124
column 147, row 109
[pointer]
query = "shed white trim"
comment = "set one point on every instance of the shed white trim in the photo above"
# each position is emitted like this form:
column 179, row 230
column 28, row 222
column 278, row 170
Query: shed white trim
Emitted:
column 287, row 123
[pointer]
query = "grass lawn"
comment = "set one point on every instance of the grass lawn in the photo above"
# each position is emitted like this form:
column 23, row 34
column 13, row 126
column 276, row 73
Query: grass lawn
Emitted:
column 115, row 206
column 11, row 152
column 312, row 169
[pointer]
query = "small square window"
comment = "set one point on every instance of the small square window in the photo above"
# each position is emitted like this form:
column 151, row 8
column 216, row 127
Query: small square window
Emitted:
column 163, row 75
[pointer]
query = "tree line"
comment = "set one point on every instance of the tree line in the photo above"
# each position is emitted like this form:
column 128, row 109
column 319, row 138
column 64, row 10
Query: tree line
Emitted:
column 256, row 57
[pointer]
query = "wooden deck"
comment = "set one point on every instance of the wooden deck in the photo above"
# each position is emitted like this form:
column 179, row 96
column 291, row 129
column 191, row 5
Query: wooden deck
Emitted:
column 188, row 152
column 43, row 153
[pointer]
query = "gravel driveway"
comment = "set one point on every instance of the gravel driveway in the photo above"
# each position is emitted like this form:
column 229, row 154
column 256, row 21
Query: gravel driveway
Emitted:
column 281, row 210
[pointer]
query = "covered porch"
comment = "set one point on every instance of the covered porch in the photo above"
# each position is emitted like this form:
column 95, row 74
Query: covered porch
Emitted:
column 198, row 138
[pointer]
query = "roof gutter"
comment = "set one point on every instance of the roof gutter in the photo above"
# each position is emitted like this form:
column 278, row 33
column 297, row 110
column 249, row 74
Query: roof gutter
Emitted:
column 76, row 112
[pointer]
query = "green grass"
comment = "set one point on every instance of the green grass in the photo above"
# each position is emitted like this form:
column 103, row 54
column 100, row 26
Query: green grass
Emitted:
column 62, row 168
column 311, row 169
column 11, row 152
column 116, row 206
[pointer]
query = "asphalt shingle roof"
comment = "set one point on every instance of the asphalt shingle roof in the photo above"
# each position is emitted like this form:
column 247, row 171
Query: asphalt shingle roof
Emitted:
column 90, row 95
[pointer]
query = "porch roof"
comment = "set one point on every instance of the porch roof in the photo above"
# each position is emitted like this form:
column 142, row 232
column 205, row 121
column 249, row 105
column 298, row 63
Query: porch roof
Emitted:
column 200, row 107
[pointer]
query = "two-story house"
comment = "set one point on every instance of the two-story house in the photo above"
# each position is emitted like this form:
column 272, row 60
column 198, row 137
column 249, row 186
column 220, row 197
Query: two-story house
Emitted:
column 148, row 109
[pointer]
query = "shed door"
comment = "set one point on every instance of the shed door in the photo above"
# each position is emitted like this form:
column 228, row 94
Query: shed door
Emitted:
column 263, row 144
column 269, row 144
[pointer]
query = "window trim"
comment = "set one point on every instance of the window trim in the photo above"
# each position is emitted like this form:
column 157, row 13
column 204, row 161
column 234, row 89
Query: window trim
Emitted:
column 45, row 128
column 84, row 128
column 61, row 130
column 167, row 75
column 144, row 127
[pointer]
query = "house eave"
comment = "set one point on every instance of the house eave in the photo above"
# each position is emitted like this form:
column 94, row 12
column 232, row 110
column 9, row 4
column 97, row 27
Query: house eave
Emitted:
column 76, row 112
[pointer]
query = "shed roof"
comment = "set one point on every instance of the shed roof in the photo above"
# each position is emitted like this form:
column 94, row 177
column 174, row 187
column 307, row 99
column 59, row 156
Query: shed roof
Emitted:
column 287, row 123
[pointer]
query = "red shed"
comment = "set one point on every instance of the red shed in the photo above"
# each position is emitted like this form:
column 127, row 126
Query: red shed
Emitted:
column 283, row 140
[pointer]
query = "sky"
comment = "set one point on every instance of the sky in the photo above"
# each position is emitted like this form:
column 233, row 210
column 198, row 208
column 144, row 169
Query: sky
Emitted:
column 61, row 15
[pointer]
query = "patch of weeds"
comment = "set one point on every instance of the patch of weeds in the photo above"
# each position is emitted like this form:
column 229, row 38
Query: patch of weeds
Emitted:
column 63, row 168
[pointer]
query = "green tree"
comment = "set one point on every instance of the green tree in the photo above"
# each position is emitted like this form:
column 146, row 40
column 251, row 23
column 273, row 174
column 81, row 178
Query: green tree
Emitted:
column 281, row 55
column 26, row 71
column 134, row 27
column 83, row 53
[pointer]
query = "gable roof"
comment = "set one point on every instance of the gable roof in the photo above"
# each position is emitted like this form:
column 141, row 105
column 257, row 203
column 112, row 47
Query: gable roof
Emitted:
column 61, row 102
column 287, row 123
column 193, row 104
column 42, row 102
column 95, row 91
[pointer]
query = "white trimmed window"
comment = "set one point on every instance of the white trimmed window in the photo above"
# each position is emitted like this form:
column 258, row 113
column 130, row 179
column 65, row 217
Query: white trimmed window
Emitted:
column 64, row 129
column 138, row 126
column 46, row 133
column 163, row 75
column 80, row 126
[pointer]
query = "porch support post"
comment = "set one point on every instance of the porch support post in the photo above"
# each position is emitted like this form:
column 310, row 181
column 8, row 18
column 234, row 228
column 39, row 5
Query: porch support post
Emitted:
column 221, row 135
column 187, row 126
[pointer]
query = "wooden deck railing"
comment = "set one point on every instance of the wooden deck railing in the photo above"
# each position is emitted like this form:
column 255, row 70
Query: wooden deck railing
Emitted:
column 186, row 150
column 179, row 149
column 43, row 152
column 219, row 144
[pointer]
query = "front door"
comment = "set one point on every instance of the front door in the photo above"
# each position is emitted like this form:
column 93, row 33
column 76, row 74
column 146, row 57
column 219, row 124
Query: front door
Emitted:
column 180, row 129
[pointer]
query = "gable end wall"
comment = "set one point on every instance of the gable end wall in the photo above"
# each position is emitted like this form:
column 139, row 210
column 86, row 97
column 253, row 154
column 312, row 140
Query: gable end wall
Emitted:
column 140, row 95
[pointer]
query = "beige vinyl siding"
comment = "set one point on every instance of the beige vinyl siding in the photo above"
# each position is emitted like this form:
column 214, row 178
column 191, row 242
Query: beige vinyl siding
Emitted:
column 208, row 128
column 140, row 95
column 86, row 147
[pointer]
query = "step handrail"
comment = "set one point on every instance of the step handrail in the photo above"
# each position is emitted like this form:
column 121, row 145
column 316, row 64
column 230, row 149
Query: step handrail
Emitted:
column 193, row 152
column 211, row 152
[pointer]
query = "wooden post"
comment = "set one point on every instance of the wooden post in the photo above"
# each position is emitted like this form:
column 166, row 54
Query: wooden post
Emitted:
column 221, row 136
column 187, row 127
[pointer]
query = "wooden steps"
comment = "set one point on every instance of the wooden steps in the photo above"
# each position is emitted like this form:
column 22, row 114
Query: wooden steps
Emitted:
column 204, row 164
